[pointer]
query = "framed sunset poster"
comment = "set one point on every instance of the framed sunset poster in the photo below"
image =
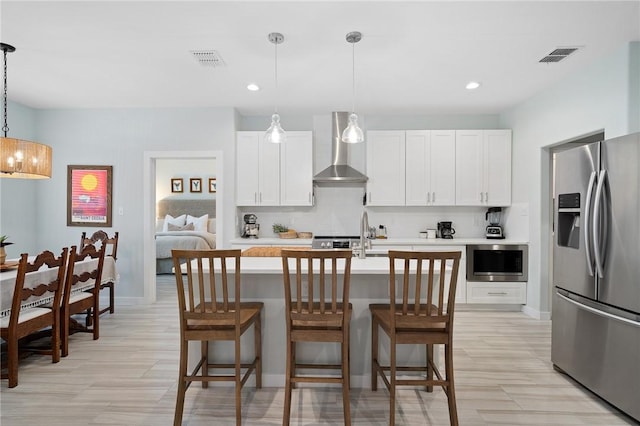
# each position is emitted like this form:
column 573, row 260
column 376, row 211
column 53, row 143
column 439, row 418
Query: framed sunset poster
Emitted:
column 89, row 195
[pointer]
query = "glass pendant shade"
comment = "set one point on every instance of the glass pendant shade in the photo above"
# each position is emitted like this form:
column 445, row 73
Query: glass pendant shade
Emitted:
column 353, row 133
column 275, row 133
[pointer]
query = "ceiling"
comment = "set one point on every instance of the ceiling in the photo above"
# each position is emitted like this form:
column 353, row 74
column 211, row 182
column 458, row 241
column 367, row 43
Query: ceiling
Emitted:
column 414, row 57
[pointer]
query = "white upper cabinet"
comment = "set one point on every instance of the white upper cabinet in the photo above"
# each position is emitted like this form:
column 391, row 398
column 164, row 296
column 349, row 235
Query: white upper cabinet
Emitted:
column 483, row 167
column 258, row 170
column 271, row 174
column 296, row 170
column 430, row 168
column 385, row 167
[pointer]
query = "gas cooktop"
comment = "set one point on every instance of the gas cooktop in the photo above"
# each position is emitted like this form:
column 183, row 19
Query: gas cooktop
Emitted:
column 334, row 241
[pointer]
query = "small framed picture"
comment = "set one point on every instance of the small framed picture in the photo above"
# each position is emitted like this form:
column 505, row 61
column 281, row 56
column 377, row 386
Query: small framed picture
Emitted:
column 213, row 185
column 195, row 184
column 176, row 185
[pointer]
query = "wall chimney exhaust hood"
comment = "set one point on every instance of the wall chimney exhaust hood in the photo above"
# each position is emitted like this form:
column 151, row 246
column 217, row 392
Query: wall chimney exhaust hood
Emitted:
column 339, row 171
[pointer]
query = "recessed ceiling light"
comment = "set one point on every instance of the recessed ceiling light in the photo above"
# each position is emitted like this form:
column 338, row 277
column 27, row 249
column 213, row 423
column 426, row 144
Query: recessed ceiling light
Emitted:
column 472, row 85
column 253, row 87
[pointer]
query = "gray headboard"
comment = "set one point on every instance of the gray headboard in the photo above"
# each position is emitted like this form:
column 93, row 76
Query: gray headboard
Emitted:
column 177, row 207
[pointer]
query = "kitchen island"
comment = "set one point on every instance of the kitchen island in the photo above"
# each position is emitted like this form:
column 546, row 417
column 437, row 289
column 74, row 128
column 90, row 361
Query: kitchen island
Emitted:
column 262, row 281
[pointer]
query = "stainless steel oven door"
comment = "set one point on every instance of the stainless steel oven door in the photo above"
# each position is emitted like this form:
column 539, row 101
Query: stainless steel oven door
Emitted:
column 497, row 262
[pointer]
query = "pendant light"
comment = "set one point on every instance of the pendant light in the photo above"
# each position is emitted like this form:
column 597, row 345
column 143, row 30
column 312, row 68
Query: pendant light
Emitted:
column 353, row 133
column 20, row 158
column 275, row 133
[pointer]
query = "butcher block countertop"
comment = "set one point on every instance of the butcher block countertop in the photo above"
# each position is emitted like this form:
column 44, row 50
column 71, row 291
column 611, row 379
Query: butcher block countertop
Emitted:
column 269, row 251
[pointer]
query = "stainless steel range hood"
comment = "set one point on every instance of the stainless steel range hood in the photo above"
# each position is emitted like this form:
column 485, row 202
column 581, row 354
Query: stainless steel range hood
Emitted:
column 339, row 171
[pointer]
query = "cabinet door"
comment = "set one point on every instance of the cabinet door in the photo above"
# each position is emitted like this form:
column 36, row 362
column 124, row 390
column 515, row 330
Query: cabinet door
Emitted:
column 469, row 168
column 247, row 166
column 296, row 170
column 417, row 173
column 385, row 168
column 442, row 167
column 497, row 150
column 269, row 170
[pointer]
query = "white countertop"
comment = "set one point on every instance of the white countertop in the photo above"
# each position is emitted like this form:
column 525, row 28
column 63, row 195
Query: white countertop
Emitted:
column 378, row 242
column 273, row 265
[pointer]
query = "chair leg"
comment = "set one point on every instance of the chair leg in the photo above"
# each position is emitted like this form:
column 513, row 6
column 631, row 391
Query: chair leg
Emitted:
column 204, row 354
column 392, row 381
column 258, row 350
column 64, row 324
column 111, row 298
column 345, row 381
column 451, row 394
column 429, row 356
column 238, row 383
column 12, row 367
column 374, row 354
column 287, row 384
column 293, row 364
column 55, row 337
column 182, row 384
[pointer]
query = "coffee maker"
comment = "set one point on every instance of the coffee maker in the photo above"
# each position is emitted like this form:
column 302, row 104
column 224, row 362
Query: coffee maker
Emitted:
column 494, row 230
column 250, row 228
column 445, row 230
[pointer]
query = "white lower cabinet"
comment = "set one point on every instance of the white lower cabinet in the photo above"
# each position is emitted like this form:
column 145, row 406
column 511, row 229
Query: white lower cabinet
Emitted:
column 497, row 292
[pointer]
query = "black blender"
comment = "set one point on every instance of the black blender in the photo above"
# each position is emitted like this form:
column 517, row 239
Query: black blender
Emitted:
column 494, row 230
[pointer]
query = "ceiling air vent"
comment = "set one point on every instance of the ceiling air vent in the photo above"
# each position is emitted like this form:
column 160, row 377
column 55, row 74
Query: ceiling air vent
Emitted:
column 208, row 58
column 558, row 54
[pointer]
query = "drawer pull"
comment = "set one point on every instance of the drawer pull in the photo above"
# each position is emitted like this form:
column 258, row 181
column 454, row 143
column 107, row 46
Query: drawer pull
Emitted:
column 497, row 293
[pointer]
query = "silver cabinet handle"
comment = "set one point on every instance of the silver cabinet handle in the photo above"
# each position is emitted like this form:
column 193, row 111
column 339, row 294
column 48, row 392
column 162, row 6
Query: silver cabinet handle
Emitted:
column 486, row 197
column 481, row 197
column 255, row 198
column 309, row 198
column 587, row 223
column 499, row 293
column 428, row 197
column 369, row 196
column 596, row 223
column 261, row 198
column 433, row 197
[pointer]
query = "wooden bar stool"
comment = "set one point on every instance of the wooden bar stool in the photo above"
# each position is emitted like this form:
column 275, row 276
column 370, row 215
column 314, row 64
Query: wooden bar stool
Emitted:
column 423, row 316
column 210, row 312
column 322, row 315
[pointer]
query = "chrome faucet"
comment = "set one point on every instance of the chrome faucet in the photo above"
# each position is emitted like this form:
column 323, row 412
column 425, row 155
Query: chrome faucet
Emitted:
column 364, row 230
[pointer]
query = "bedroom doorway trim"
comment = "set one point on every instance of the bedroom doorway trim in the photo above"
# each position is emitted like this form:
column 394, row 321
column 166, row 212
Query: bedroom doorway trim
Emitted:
column 149, row 210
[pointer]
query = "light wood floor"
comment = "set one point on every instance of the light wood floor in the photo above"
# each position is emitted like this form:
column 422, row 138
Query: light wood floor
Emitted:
column 128, row 377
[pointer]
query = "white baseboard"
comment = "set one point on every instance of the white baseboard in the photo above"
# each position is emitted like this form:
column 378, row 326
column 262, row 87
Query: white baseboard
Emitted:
column 534, row 313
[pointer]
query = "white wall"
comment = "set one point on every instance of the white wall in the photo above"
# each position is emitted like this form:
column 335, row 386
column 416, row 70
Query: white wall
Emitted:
column 602, row 96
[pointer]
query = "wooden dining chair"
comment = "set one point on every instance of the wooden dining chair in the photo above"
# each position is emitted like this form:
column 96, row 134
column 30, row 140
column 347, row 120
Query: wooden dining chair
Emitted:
column 420, row 312
column 317, row 309
column 211, row 310
column 111, row 244
column 82, row 291
column 24, row 320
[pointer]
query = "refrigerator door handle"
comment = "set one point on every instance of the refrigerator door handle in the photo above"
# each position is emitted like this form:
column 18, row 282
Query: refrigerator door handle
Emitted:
column 596, row 223
column 599, row 312
column 587, row 223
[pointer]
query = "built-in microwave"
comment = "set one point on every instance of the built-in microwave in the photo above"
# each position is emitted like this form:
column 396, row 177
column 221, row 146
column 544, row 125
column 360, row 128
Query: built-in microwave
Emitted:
column 497, row 262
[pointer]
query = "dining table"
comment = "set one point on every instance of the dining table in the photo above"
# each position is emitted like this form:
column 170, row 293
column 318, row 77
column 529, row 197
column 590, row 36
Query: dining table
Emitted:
column 45, row 274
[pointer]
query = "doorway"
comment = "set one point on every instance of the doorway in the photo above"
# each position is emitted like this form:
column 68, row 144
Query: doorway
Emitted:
column 149, row 207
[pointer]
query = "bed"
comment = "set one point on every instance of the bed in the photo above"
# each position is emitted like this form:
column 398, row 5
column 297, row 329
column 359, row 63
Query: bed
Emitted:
column 183, row 224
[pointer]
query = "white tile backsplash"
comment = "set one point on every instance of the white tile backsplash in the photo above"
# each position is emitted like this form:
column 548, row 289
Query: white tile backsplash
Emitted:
column 338, row 208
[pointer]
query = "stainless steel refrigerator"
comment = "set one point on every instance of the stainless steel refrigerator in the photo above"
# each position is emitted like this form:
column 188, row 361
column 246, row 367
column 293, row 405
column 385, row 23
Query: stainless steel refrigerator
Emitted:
column 596, row 269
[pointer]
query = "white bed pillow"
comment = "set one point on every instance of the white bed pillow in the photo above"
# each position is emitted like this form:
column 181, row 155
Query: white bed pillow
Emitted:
column 178, row 221
column 187, row 227
column 199, row 223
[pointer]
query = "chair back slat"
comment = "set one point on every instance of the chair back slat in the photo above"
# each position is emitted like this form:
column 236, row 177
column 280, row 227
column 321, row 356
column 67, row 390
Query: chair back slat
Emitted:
column 78, row 278
column 326, row 281
column 422, row 304
column 54, row 285
column 100, row 238
column 203, row 285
